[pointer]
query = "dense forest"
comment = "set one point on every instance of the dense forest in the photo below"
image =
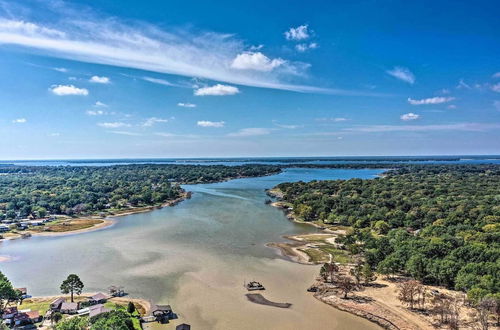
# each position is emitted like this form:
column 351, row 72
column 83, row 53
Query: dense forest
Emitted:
column 73, row 190
column 437, row 223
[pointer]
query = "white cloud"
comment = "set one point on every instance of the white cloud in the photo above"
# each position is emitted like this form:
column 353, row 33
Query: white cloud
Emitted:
column 424, row 128
column 99, row 80
column 19, row 121
column 253, row 131
column 451, row 106
column 100, row 104
column 95, row 112
column 153, row 120
column 496, row 104
column 125, row 133
column 409, row 116
column 496, row 75
column 288, row 126
column 496, row 88
column 337, row 119
column 206, row 123
column 217, row 90
column 463, row 85
column 158, row 81
column 101, row 40
column 55, row 134
column 255, row 61
column 186, row 105
column 299, row 33
column 403, row 74
column 61, row 69
column 62, row 90
column 116, row 124
column 304, row 47
column 431, row 100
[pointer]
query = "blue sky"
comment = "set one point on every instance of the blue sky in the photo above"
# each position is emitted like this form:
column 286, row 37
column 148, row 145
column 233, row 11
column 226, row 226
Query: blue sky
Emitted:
column 119, row 79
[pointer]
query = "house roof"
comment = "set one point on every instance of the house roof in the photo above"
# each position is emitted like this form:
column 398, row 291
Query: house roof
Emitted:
column 9, row 310
column 58, row 301
column 97, row 309
column 23, row 290
column 99, row 296
column 69, row 305
column 183, row 326
column 33, row 314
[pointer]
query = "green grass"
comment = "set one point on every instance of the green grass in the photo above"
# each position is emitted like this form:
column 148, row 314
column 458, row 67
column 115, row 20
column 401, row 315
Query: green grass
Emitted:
column 42, row 307
column 340, row 256
column 315, row 255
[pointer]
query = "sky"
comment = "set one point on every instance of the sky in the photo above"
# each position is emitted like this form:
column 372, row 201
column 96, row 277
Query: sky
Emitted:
column 124, row 79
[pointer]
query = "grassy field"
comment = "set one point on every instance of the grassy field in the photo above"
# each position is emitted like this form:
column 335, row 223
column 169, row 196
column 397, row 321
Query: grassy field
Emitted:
column 61, row 226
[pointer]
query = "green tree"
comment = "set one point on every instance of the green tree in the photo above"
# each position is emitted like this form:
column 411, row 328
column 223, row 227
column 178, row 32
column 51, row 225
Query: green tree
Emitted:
column 74, row 323
column 7, row 292
column 130, row 307
column 114, row 320
column 368, row 274
column 72, row 285
column 56, row 317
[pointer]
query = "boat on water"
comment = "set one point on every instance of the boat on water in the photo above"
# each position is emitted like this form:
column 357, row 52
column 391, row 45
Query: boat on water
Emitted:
column 254, row 285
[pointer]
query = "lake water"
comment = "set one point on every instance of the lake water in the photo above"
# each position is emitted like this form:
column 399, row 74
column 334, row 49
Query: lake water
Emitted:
column 194, row 256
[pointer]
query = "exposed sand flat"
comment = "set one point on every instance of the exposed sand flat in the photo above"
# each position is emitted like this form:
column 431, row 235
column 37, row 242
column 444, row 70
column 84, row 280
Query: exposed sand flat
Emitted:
column 212, row 300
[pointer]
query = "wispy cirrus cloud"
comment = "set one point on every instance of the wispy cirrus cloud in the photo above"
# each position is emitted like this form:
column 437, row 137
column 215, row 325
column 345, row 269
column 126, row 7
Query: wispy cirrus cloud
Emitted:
column 252, row 131
column 207, row 123
column 424, row 128
column 186, row 105
column 20, row 121
column 94, row 38
column 116, row 124
column 431, row 100
column 158, row 81
column 62, row 90
column 153, row 120
column 403, row 74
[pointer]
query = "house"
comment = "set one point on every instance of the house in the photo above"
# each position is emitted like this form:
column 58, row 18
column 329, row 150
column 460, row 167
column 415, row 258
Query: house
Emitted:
column 98, row 298
column 4, row 228
column 9, row 313
column 69, row 308
column 183, row 326
column 21, row 319
column 56, row 304
column 162, row 313
column 34, row 316
column 97, row 309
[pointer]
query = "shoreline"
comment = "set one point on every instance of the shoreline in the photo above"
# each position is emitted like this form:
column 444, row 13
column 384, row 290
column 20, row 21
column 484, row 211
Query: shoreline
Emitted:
column 145, row 304
column 107, row 221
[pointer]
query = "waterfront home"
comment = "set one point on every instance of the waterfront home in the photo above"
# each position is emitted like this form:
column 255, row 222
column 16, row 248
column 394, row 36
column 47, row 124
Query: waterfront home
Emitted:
column 56, row 304
column 69, row 308
column 4, row 228
column 97, row 309
column 23, row 292
column 34, row 316
column 99, row 298
column 9, row 313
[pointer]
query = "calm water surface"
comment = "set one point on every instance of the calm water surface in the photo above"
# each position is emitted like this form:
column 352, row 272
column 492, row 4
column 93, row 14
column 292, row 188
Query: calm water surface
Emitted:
column 216, row 238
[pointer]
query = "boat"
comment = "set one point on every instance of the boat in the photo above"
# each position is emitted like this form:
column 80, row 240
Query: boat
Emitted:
column 254, row 285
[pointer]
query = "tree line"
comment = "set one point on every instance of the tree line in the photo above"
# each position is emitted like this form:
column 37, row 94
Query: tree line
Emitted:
column 439, row 224
column 73, row 190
